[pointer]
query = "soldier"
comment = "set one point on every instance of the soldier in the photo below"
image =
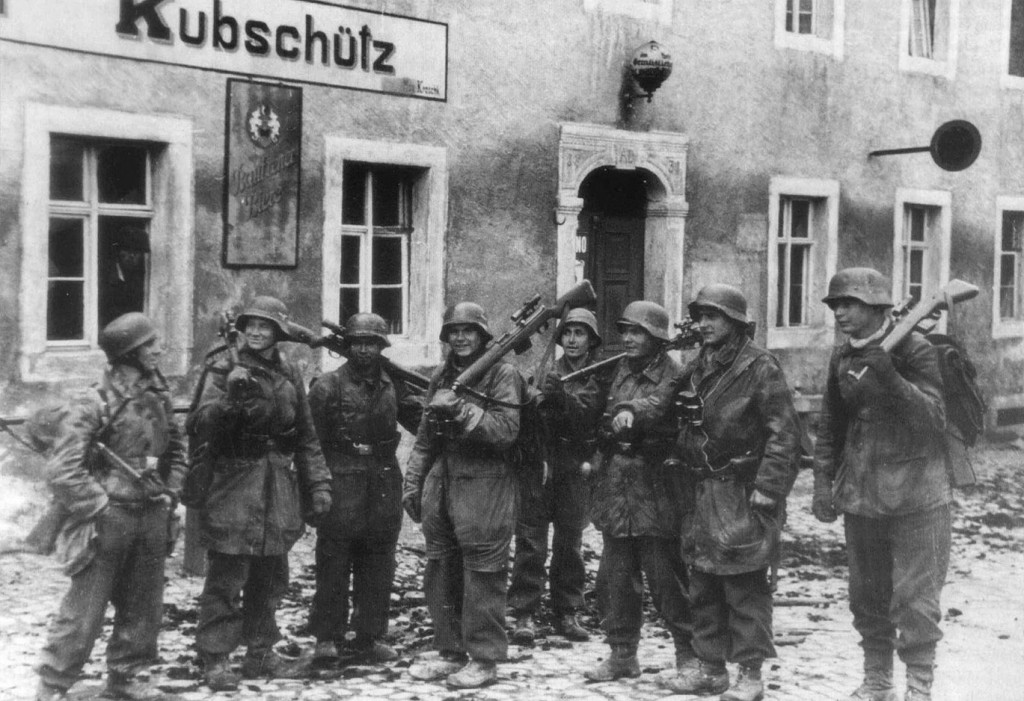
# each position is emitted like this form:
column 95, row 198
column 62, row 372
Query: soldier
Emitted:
column 460, row 484
column 739, row 441
column 571, row 411
column 131, row 414
column 356, row 410
column 879, row 460
column 635, row 498
column 255, row 421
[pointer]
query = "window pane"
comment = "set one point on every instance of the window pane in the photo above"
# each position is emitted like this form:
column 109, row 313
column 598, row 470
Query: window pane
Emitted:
column 353, row 202
column 917, row 223
column 388, row 303
column 121, row 174
column 65, row 311
column 389, row 197
column 349, row 303
column 1013, row 227
column 67, row 253
column 350, row 260
column 387, row 260
column 806, row 16
column 780, row 276
column 66, row 169
column 1007, row 285
column 1016, row 66
column 797, row 273
column 122, row 250
column 800, row 219
column 916, row 267
column 789, row 15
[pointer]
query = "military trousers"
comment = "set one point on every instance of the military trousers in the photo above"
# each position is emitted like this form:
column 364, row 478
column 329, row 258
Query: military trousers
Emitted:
column 127, row 571
column 620, row 585
column 364, row 567
column 732, row 617
column 897, row 568
column 239, row 602
column 559, row 508
column 468, row 608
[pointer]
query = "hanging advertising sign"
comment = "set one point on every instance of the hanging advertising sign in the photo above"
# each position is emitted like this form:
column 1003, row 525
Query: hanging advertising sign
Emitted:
column 305, row 41
column 261, row 175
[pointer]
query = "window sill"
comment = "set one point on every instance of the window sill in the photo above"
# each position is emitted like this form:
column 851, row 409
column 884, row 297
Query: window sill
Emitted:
column 1008, row 329
column 806, row 42
column 1012, row 82
column 927, row 66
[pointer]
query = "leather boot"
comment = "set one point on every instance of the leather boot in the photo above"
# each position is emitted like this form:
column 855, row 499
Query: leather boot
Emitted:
column 218, row 674
column 128, row 688
column 325, row 654
column 432, row 669
column 525, row 631
column 877, row 685
column 569, row 628
column 706, row 679
column 621, row 663
column 747, row 687
column 919, row 682
column 474, row 675
column 373, row 651
column 267, row 664
column 49, row 692
column 686, row 660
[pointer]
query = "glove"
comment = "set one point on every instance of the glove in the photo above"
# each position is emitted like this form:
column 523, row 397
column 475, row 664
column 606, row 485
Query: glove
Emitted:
column 879, row 362
column 446, row 402
column 623, row 421
column 237, row 381
column 821, row 504
column 412, row 502
column 321, row 505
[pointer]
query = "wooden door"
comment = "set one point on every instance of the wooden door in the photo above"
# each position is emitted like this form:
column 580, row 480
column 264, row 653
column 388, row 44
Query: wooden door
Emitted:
column 617, row 262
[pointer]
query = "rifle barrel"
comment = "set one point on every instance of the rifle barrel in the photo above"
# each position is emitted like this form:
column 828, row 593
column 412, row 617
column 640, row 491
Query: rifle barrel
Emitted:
column 593, row 368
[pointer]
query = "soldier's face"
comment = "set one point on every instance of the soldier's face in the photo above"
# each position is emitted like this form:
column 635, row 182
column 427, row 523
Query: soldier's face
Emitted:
column 364, row 352
column 260, row 334
column 575, row 341
column 714, row 326
column 856, row 319
column 637, row 342
column 148, row 355
column 464, row 339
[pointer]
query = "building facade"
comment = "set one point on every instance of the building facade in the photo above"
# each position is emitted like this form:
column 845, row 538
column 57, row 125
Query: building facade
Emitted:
column 183, row 156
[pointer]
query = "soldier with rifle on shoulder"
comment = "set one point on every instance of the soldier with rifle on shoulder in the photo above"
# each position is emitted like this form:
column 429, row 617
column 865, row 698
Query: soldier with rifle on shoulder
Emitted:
column 117, row 464
column 356, row 410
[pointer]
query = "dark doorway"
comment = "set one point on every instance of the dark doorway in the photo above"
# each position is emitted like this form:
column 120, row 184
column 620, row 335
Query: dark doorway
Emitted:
column 612, row 224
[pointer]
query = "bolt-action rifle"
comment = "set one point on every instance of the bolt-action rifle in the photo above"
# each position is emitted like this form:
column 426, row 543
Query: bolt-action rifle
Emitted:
column 335, row 342
column 688, row 336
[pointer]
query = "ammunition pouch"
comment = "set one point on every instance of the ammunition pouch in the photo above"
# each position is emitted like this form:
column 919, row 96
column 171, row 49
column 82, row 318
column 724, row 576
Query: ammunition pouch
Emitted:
column 656, row 449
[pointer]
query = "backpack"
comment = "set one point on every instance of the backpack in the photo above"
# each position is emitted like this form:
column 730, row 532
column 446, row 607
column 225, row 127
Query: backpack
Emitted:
column 965, row 406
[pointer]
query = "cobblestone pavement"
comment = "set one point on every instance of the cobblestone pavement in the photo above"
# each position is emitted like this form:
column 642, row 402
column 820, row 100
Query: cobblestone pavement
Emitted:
column 981, row 656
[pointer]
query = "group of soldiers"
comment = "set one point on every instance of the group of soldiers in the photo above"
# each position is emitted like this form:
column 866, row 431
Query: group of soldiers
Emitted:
column 684, row 470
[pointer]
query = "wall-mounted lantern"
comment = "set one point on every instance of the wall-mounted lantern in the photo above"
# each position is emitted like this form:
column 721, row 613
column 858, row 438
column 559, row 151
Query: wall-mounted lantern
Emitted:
column 650, row 65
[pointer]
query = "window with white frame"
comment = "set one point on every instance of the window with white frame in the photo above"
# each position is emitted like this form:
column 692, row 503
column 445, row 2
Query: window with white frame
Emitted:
column 929, row 31
column 100, row 206
column 376, row 226
column 385, row 207
column 803, row 225
column 921, row 243
column 107, row 221
column 1013, row 43
column 1008, row 295
column 810, row 25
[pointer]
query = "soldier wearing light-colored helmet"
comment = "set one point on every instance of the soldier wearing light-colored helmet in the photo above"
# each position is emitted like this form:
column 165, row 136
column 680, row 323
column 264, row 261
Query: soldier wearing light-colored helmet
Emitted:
column 571, row 411
column 356, row 410
column 636, row 499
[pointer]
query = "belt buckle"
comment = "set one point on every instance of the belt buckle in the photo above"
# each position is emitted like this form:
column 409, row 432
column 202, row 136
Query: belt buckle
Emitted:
column 362, row 448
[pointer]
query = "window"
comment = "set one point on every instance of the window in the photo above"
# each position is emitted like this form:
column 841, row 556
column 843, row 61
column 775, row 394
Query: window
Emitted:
column 921, row 243
column 106, row 222
column 1013, row 43
column 1008, row 295
column 810, row 25
column 98, row 239
column 385, row 207
column 376, row 216
column 928, row 36
column 803, row 224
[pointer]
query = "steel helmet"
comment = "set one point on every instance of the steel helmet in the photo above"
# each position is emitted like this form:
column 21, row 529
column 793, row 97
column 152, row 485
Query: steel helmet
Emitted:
column 269, row 308
column 367, row 325
column 864, row 284
column 584, row 317
column 724, row 298
column 126, row 333
column 649, row 316
column 466, row 313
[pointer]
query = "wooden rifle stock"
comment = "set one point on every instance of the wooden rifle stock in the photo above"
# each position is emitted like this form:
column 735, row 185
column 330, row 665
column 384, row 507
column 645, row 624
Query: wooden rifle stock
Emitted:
column 528, row 319
column 954, row 291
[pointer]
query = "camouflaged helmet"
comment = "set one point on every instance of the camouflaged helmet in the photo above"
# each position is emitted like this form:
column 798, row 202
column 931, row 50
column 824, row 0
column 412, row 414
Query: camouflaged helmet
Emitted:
column 722, row 298
column 466, row 313
column 866, row 285
column 126, row 333
column 367, row 325
column 584, row 317
column 649, row 316
column 269, row 308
